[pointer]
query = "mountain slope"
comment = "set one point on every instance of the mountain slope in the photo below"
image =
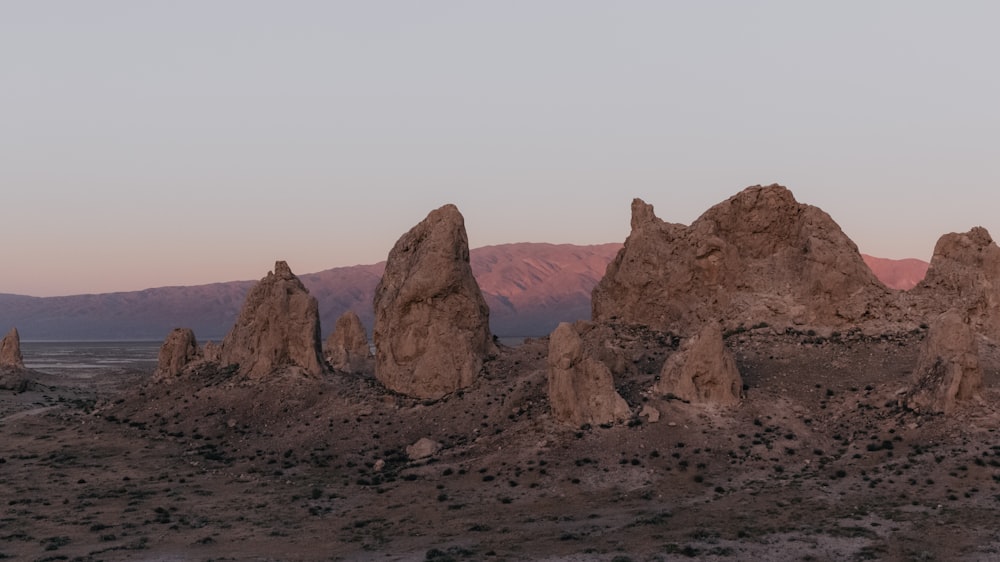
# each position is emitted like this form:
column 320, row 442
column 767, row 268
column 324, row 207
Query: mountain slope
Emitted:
column 529, row 287
column 897, row 274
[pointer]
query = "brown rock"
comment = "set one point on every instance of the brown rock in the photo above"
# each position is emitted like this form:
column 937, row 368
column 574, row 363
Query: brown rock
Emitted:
column 10, row 350
column 277, row 328
column 212, row 352
column 581, row 387
column 948, row 370
column 964, row 274
column 431, row 322
column 179, row 349
column 759, row 256
column 347, row 347
column 703, row 371
column 422, row 449
column 651, row 414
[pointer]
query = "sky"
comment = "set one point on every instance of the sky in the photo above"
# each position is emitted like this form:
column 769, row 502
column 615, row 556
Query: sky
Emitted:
column 155, row 143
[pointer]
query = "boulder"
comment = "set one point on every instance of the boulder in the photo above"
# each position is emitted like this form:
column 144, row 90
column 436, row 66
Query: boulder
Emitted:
column 964, row 274
column 703, row 371
column 277, row 328
column 581, row 387
column 651, row 414
column 179, row 350
column 948, row 371
column 759, row 256
column 10, row 350
column 431, row 322
column 347, row 346
column 422, row 449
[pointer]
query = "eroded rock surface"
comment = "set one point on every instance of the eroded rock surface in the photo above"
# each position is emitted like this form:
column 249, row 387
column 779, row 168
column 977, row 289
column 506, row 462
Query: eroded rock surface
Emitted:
column 10, row 350
column 948, row 371
column 212, row 352
column 759, row 256
column 703, row 371
column 277, row 328
column 581, row 387
column 965, row 275
column 179, row 350
column 347, row 346
column 431, row 322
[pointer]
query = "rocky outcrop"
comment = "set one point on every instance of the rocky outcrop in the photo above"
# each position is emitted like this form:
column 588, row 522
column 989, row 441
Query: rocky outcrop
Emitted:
column 965, row 275
column 277, row 329
column 948, row 371
column 581, row 387
column 759, row 256
column 703, row 371
column 347, row 347
column 10, row 350
column 212, row 352
column 179, row 350
column 431, row 323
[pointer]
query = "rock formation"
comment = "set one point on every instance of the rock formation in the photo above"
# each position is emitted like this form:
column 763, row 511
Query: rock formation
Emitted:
column 703, row 371
column 179, row 349
column 10, row 350
column 431, row 322
column 277, row 328
column 212, row 352
column 964, row 274
column 347, row 347
column 581, row 387
column 759, row 256
column 948, row 370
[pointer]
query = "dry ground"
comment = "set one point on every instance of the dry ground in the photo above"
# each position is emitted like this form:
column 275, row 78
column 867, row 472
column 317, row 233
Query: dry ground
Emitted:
column 817, row 463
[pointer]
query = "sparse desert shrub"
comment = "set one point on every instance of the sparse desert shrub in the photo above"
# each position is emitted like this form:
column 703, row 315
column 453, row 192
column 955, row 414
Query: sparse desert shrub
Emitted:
column 55, row 543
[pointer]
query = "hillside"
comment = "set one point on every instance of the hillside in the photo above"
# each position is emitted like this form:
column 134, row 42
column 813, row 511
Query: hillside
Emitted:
column 897, row 274
column 530, row 288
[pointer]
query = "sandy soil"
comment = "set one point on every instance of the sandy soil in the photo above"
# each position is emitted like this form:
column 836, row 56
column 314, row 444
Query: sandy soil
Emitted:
column 817, row 463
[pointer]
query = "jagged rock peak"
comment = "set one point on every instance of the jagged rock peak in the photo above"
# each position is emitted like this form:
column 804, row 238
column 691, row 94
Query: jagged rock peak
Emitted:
column 759, row 256
column 581, row 387
column 703, row 371
column 642, row 213
column 956, row 252
column 431, row 321
column 10, row 350
column 347, row 346
column 179, row 349
column 278, row 328
column 948, row 370
column 282, row 270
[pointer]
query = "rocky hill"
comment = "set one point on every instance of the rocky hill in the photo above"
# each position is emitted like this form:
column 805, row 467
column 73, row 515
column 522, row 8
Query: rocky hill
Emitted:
column 759, row 256
column 529, row 287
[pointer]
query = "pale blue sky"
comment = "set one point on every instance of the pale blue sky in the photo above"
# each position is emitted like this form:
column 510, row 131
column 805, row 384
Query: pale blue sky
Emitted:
column 180, row 142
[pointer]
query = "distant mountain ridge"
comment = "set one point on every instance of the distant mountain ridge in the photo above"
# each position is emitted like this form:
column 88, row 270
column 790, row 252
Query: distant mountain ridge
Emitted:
column 529, row 287
column 897, row 274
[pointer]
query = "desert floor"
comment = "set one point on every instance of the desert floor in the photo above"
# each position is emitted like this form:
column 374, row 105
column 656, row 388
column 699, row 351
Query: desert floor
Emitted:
column 818, row 463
